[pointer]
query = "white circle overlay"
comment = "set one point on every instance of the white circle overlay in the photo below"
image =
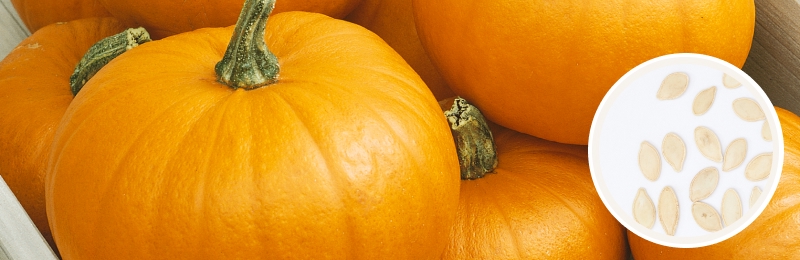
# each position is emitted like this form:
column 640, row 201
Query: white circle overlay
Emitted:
column 630, row 113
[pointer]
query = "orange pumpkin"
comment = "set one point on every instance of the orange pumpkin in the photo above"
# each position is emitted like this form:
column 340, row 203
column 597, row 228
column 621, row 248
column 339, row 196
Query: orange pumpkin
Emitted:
column 538, row 203
column 34, row 94
column 163, row 18
column 775, row 234
column 40, row 13
column 343, row 155
column 393, row 21
column 542, row 67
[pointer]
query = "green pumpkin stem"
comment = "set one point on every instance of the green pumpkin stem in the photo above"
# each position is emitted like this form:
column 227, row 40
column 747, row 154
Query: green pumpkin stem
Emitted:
column 247, row 62
column 102, row 52
column 477, row 153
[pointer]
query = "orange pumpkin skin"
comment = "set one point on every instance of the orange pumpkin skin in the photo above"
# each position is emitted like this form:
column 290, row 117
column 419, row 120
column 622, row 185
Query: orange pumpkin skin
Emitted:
column 775, row 234
column 393, row 21
column 347, row 156
column 34, row 94
column 539, row 203
column 163, row 18
column 542, row 67
column 40, row 13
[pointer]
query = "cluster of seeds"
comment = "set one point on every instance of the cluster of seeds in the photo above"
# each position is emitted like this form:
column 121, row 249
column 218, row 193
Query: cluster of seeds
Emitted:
column 705, row 182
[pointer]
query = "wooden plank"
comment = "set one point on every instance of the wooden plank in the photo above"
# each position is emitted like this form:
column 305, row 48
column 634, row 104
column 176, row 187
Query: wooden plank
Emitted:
column 774, row 60
column 19, row 237
column 12, row 30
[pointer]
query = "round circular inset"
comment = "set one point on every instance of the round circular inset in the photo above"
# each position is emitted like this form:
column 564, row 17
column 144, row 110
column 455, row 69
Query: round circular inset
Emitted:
column 686, row 150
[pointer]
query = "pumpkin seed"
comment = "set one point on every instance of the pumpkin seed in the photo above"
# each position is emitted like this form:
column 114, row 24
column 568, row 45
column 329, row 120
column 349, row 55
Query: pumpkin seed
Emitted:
column 649, row 161
column 731, row 208
column 643, row 209
column 748, row 109
column 754, row 195
column 673, row 86
column 703, row 184
column 765, row 133
column 708, row 143
column 674, row 150
column 759, row 167
column 668, row 210
column 730, row 82
column 734, row 154
column 706, row 216
column 703, row 101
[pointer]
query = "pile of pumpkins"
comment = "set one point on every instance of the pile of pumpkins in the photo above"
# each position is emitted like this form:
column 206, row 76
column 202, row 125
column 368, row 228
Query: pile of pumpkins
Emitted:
column 320, row 135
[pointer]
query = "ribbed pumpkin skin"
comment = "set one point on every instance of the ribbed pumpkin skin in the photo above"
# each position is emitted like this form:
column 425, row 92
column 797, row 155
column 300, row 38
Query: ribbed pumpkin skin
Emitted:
column 539, row 204
column 542, row 67
column 393, row 21
column 40, row 13
column 775, row 234
column 34, row 93
column 163, row 18
column 347, row 156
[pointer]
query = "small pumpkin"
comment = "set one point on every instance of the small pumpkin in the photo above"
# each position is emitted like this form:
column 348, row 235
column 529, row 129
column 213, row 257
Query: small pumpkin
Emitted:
column 542, row 67
column 40, row 13
column 34, row 94
column 393, row 21
column 527, row 199
column 775, row 234
column 326, row 145
column 163, row 18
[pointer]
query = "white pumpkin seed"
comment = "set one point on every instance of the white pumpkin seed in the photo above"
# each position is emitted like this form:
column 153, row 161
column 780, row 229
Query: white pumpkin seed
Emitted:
column 734, row 154
column 703, row 184
column 649, row 161
column 703, row 100
column 754, row 195
column 748, row 109
column 730, row 82
column 706, row 217
column 643, row 209
column 668, row 210
column 674, row 150
column 765, row 133
column 673, row 86
column 759, row 167
column 731, row 208
column 708, row 143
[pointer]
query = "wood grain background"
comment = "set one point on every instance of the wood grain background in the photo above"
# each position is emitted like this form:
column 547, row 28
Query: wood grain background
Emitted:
column 774, row 60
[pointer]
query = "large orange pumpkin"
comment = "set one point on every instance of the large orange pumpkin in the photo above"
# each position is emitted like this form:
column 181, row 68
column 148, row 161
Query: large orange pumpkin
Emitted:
column 393, row 21
column 34, row 94
column 542, row 67
column 163, row 18
column 40, row 13
column 538, row 202
column 343, row 155
column 775, row 234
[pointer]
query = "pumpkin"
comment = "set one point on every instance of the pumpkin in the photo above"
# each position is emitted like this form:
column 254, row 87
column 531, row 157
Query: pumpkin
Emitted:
column 163, row 18
column 775, row 234
column 40, row 13
column 190, row 148
column 542, row 67
column 393, row 21
column 538, row 201
column 34, row 94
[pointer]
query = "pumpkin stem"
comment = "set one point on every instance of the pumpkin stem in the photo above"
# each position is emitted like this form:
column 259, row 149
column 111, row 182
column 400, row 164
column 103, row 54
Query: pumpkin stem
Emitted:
column 477, row 153
column 103, row 52
column 248, row 63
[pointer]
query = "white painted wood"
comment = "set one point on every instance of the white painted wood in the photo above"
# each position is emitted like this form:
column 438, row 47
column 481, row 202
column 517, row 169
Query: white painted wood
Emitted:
column 12, row 30
column 19, row 238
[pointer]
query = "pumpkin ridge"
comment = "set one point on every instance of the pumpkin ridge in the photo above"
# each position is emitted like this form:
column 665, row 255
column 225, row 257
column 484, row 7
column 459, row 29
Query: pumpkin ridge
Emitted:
column 332, row 175
column 489, row 196
column 554, row 195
